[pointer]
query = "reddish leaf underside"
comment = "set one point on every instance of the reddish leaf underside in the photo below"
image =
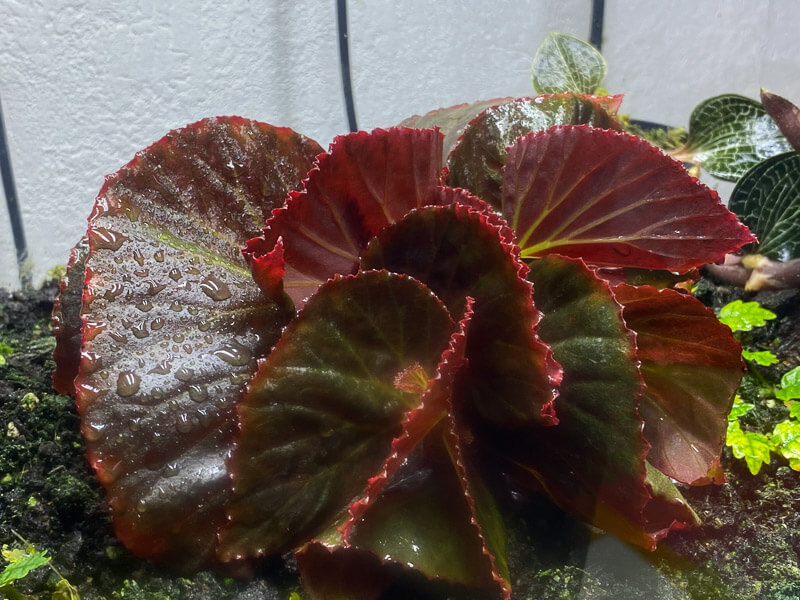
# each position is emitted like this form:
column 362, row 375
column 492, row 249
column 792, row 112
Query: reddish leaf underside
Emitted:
column 67, row 320
column 456, row 252
column 692, row 366
column 323, row 409
column 477, row 160
column 173, row 324
column 367, row 181
column 613, row 200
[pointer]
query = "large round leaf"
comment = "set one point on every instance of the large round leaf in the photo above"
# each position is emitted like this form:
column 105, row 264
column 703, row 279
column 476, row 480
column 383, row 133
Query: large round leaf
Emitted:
column 476, row 162
column 173, row 324
column 564, row 63
column 323, row 409
column 612, row 199
column 767, row 199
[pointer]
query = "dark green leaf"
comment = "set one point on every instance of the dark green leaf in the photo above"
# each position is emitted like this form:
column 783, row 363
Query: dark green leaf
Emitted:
column 321, row 412
column 785, row 114
column 729, row 134
column 173, row 325
column 767, row 200
column 564, row 63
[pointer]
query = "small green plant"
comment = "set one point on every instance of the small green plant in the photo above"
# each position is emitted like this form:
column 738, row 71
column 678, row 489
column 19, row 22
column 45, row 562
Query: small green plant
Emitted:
column 756, row 448
column 22, row 561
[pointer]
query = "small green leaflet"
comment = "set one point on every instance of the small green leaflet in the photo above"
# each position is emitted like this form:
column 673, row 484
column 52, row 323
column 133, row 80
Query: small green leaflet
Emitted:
column 753, row 447
column 565, row 63
column 729, row 134
column 790, row 385
column 739, row 408
column 786, row 439
column 763, row 357
column 743, row 316
column 20, row 563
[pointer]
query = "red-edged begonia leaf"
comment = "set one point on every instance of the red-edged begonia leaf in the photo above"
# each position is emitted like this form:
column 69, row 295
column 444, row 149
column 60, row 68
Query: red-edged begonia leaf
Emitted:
column 613, row 200
column 322, row 410
column 67, row 320
column 452, row 120
column 365, row 182
column 691, row 365
column 173, row 324
column 477, row 160
column 456, row 252
column 593, row 462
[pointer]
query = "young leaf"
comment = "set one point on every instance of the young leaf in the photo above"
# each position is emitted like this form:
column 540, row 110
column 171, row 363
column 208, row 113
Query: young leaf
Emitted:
column 321, row 412
column 786, row 116
column 767, row 200
column 786, row 439
column 173, row 324
column 739, row 408
column 612, row 199
column 763, row 357
column 691, row 366
column 743, row 316
column 20, row 563
column 452, row 120
column 477, row 160
column 729, row 134
column 367, row 181
column 458, row 254
column 753, row 447
column 564, row 63
column 790, row 385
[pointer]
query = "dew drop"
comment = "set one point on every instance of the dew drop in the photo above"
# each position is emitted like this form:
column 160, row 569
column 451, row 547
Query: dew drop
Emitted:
column 157, row 323
column 90, row 361
column 145, row 306
column 106, row 239
column 156, row 394
column 233, row 354
column 142, row 272
column 159, row 256
column 185, row 374
column 115, row 290
column 175, row 307
column 198, row 393
column 184, row 423
column 170, row 470
column 140, row 330
column 93, row 431
column 204, row 325
column 128, row 383
column 208, row 339
column 237, row 379
column 187, row 348
column 178, row 338
column 141, row 507
column 193, row 270
column 119, row 338
column 215, row 289
column 162, row 368
column 175, row 274
column 193, row 310
column 153, row 288
column 138, row 257
column 91, row 328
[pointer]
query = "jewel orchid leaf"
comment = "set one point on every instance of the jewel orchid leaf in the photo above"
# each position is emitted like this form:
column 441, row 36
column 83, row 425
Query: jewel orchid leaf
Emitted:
column 322, row 410
column 565, row 63
column 613, row 200
column 729, row 134
column 786, row 116
column 691, row 368
column 364, row 183
column 767, row 200
column 476, row 162
column 172, row 324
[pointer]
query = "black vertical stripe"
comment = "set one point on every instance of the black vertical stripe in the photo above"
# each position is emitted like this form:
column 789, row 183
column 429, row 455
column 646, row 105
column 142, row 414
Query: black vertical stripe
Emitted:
column 12, row 204
column 598, row 11
column 344, row 63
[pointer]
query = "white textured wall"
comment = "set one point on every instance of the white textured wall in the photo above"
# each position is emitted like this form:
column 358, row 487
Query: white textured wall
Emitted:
column 87, row 83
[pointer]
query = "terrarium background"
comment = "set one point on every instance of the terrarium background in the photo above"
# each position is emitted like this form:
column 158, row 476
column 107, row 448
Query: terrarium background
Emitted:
column 85, row 84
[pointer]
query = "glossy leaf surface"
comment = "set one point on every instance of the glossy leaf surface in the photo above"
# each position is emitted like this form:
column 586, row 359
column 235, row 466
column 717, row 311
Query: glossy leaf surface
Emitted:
column 564, row 63
column 767, row 199
column 67, row 320
column 476, row 162
column 321, row 412
column 173, row 324
column 459, row 254
column 367, row 181
column 786, row 116
column 452, row 120
column 729, row 134
column 613, row 200
column 691, row 366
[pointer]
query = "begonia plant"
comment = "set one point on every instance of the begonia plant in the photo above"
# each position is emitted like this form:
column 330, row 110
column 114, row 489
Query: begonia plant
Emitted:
column 358, row 381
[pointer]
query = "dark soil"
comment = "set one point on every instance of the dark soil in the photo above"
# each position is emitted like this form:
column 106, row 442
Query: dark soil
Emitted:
column 747, row 548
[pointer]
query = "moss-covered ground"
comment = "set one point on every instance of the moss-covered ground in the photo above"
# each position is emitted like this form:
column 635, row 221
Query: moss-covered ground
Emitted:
column 748, row 547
